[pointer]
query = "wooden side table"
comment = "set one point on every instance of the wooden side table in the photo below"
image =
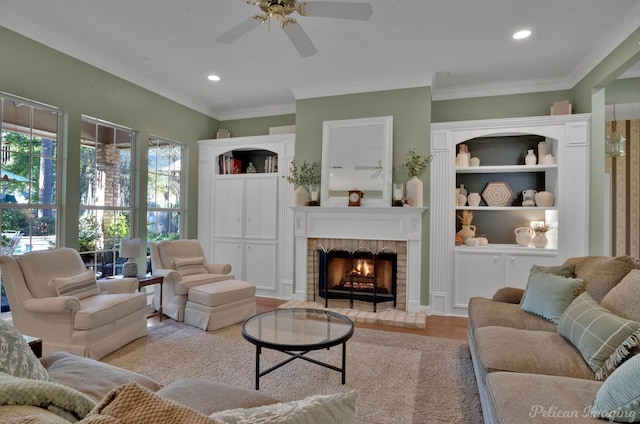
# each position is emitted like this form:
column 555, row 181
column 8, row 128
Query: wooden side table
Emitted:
column 35, row 344
column 144, row 280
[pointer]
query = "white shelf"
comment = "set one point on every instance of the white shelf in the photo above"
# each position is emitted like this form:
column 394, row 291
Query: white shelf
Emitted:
column 505, row 168
column 506, row 208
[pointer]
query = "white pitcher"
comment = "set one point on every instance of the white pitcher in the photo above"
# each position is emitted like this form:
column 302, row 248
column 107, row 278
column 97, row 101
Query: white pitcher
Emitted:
column 524, row 235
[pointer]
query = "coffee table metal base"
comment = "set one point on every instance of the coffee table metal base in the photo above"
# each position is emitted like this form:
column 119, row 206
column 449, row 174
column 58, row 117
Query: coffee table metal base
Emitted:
column 295, row 355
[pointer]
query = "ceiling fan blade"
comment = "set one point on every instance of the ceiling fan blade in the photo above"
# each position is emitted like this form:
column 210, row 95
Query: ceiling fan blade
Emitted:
column 334, row 9
column 238, row 31
column 300, row 39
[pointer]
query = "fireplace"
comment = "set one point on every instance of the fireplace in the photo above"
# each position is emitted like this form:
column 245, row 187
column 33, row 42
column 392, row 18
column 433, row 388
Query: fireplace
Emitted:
column 359, row 275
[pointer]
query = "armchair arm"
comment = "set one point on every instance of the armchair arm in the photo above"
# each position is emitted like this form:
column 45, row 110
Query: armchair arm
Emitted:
column 170, row 275
column 60, row 304
column 508, row 295
column 218, row 268
column 118, row 285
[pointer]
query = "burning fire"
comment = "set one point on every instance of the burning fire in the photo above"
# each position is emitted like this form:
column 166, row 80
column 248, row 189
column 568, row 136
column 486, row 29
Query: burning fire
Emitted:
column 363, row 268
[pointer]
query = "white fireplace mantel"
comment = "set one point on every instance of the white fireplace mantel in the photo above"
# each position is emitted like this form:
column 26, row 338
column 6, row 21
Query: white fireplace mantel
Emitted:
column 365, row 223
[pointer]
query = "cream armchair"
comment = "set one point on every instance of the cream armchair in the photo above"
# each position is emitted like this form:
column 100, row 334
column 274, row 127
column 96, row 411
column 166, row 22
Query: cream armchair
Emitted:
column 183, row 265
column 52, row 296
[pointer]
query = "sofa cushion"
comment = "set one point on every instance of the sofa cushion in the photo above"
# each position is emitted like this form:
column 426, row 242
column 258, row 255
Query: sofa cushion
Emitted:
column 338, row 408
column 531, row 398
column 16, row 357
column 209, row 397
column 548, row 295
column 564, row 270
column 222, row 293
column 602, row 337
column 91, row 377
column 528, row 351
column 182, row 287
column 624, row 298
column 618, row 399
column 97, row 311
column 80, row 286
column 485, row 313
column 190, row 266
column 601, row 273
column 39, row 267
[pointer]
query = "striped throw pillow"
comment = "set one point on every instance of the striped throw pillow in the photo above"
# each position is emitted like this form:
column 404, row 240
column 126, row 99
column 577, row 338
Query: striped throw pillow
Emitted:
column 618, row 399
column 190, row 266
column 80, row 286
column 603, row 338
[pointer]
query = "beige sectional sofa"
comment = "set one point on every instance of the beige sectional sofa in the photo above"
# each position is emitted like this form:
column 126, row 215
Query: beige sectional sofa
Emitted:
column 530, row 369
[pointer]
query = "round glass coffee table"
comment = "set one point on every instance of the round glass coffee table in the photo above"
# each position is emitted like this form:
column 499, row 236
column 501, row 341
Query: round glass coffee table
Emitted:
column 297, row 332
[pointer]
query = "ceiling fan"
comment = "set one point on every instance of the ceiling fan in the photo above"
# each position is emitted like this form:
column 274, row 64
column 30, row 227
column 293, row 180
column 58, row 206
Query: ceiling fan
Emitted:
column 281, row 9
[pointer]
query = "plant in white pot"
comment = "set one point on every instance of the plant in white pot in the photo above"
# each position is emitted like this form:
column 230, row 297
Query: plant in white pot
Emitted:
column 304, row 175
column 414, row 166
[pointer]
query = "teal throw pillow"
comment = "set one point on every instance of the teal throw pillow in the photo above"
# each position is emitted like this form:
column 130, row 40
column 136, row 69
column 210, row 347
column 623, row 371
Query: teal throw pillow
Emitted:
column 16, row 357
column 339, row 408
column 602, row 337
column 548, row 295
column 618, row 399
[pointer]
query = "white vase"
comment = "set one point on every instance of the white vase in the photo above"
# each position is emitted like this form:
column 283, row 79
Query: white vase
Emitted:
column 473, row 199
column 530, row 159
column 414, row 192
column 540, row 240
column 300, row 196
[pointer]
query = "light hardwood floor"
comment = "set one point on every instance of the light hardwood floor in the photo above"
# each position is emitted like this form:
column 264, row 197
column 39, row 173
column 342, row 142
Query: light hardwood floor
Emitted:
column 437, row 326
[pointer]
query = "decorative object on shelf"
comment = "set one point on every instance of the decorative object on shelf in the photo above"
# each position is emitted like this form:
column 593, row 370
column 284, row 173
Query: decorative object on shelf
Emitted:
column 474, row 199
column 524, row 235
column 528, row 197
column 463, row 190
column 251, row 169
column 458, row 240
column 542, row 151
column 497, row 194
column 303, row 175
column 544, row 198
column 614, row 142
column 398, row 194
column 540, row 239
column 472, row 241
column 482, row 240
column 222, row 133
column 414, row 166
column 563, row 107
column 463, row 158
column 457, row 194
column 530, row 159
column 474, row 161
column 314, row 195
column 462, row 199
column 130, row 248
column 548, row 159
column 468, row 230
column 355, row 197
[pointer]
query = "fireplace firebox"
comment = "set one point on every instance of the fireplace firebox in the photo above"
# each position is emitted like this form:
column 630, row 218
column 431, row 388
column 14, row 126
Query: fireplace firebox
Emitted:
column 358, row 275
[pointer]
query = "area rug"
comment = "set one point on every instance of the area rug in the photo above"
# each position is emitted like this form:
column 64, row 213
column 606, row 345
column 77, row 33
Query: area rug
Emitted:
column 401, row 378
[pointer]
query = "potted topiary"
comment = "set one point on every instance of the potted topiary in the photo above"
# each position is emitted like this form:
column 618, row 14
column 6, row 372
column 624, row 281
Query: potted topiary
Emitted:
column 305, row 175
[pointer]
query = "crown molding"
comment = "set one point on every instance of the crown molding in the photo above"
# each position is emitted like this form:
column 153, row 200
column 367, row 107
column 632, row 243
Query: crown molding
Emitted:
column 256, row 112
column 499, row 89
column 362, row 87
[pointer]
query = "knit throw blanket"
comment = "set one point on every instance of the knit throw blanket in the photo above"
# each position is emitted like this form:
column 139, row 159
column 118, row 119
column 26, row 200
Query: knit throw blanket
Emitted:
column 66, row 402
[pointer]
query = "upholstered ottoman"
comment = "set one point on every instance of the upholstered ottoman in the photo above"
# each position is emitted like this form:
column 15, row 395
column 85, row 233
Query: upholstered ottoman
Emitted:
column 220, row 304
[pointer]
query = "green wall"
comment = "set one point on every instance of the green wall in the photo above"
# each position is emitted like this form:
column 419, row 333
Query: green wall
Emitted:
column 623, row 91
column 36, row 72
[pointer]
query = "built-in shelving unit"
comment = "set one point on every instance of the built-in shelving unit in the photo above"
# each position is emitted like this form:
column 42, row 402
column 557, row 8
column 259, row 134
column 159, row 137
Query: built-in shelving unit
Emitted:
column 460, row 272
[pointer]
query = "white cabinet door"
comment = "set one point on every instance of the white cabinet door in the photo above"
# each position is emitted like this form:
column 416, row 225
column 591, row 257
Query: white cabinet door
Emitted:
column 477, row 274
column 229, row 198
column 519, row 266
column 230, row 252
column 260, row 265
column 261, row 206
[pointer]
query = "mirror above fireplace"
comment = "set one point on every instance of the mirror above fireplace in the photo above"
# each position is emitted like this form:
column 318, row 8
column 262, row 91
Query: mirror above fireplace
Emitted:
column 357, row 154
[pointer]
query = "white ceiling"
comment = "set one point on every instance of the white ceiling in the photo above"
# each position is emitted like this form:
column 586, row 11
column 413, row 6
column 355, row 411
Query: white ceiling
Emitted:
column 462, row 48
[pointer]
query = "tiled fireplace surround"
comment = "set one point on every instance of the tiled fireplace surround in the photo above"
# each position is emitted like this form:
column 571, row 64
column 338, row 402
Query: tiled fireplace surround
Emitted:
column 397, row 228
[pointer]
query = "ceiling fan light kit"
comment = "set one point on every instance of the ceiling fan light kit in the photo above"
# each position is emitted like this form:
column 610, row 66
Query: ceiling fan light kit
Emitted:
column 281, row 9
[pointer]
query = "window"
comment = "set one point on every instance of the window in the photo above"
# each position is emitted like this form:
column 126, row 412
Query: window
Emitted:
column 164, row 191
column 29, row 149
column 106, row 158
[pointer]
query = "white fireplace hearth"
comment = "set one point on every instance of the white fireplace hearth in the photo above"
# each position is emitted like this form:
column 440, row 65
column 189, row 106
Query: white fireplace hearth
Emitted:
column 360, row 223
